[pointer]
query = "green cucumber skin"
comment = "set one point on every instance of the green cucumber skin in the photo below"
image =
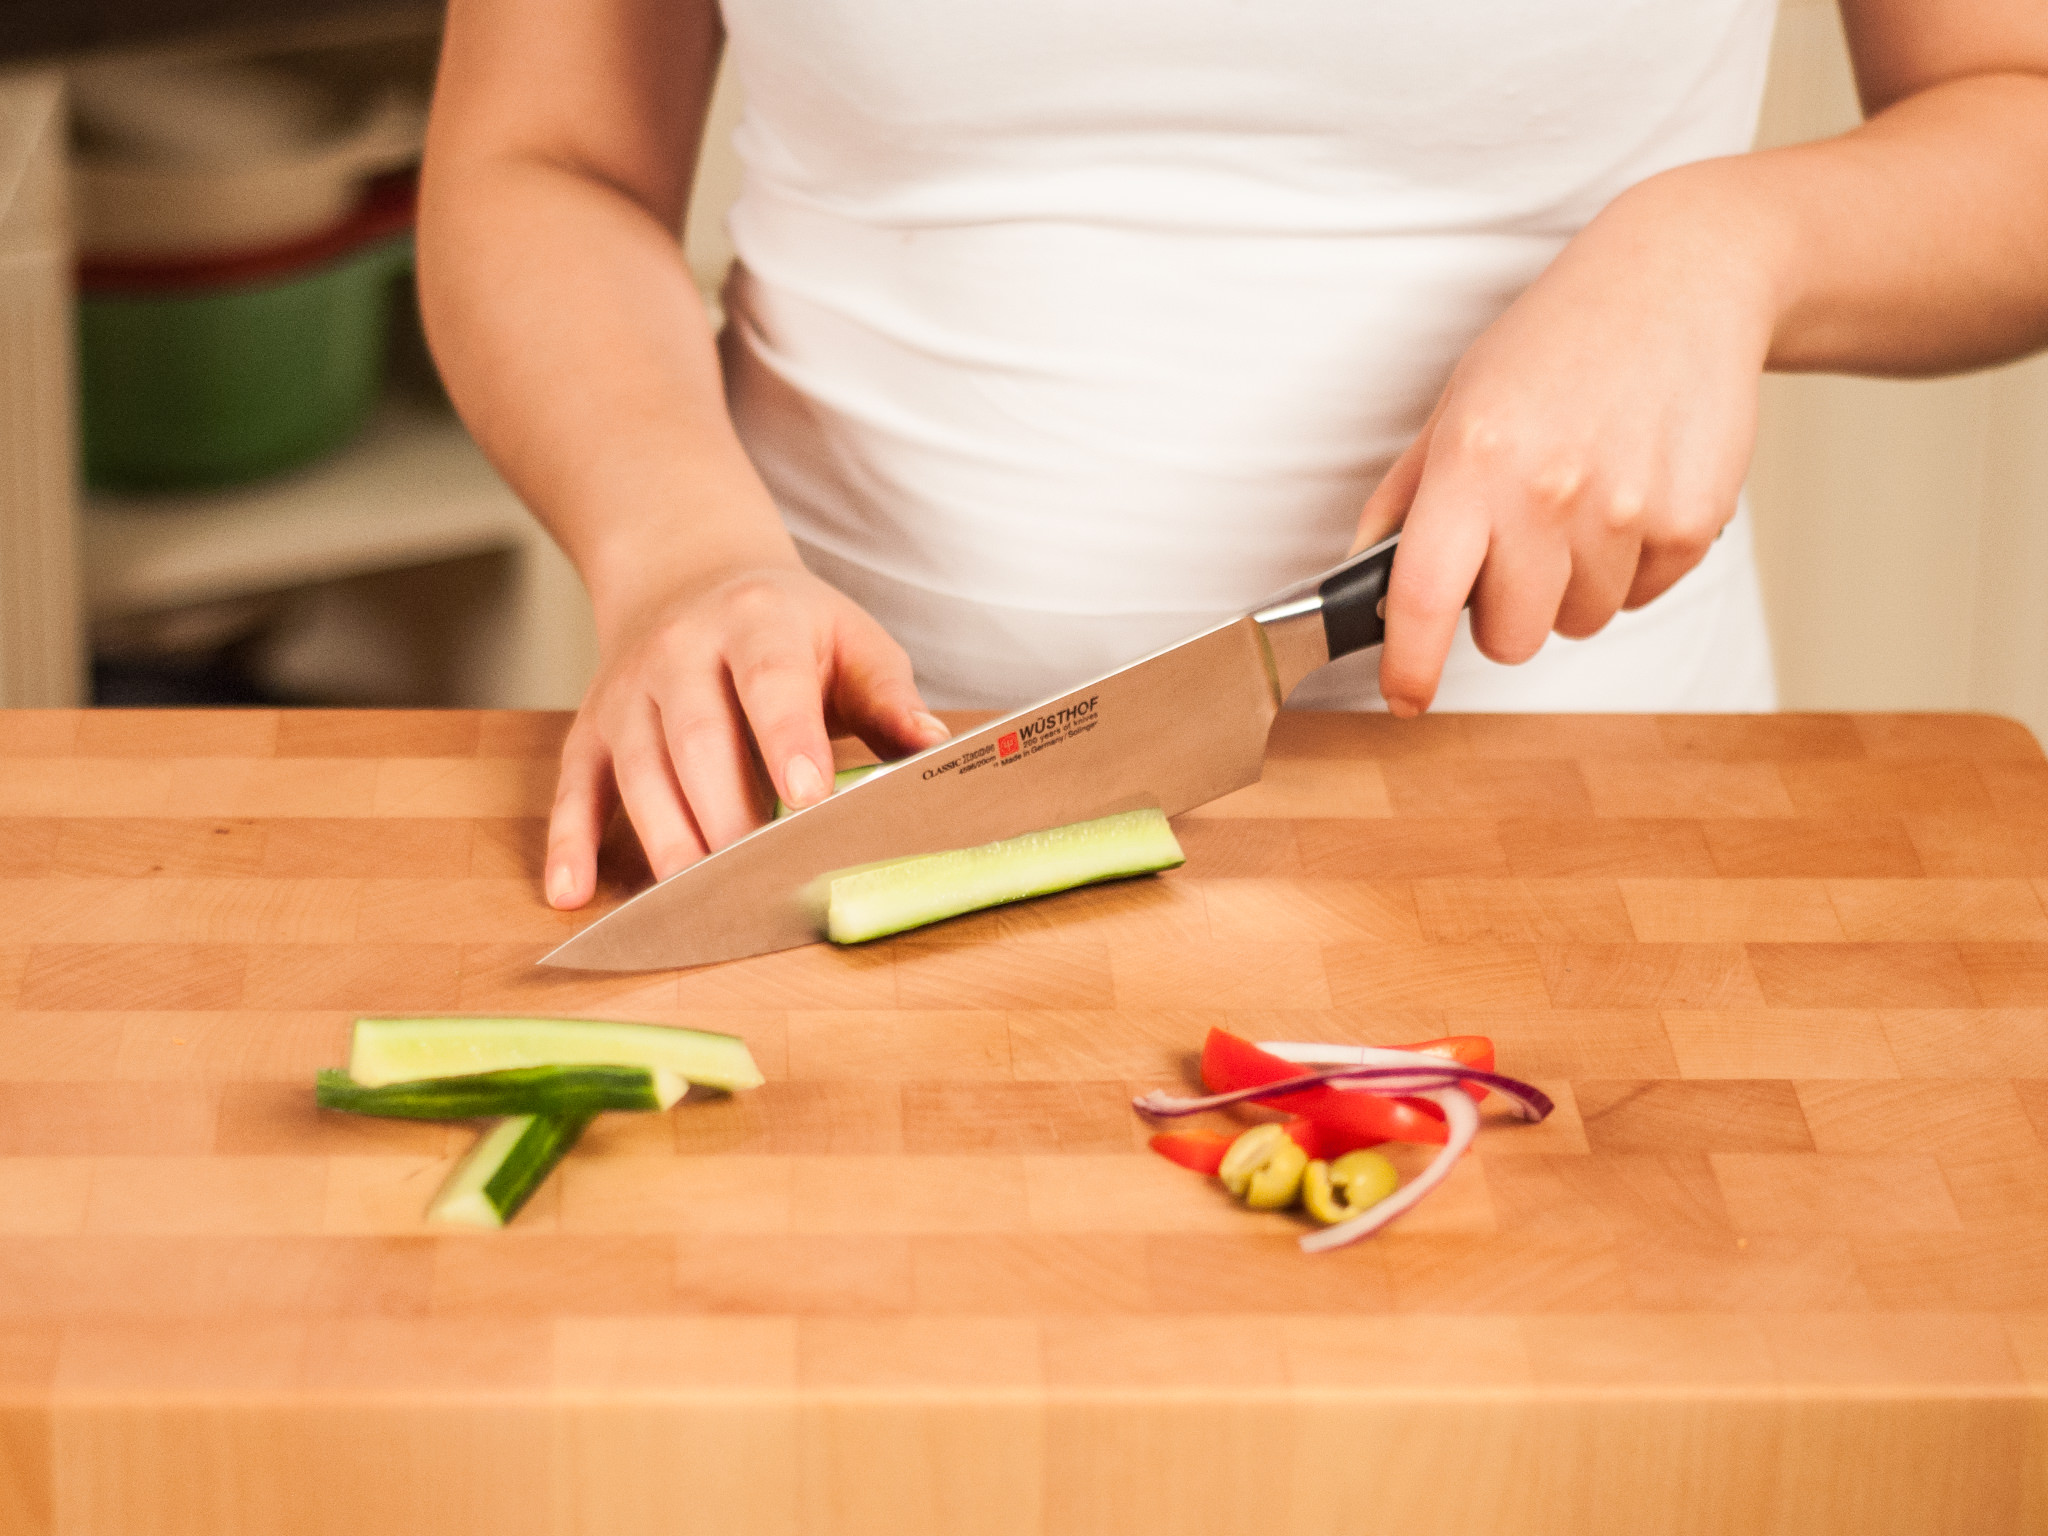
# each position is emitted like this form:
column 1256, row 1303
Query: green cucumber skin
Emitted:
column 521, row 1091
column 942, row 885
column 498, row 1175
column 398, row 1050
column 532, row 1158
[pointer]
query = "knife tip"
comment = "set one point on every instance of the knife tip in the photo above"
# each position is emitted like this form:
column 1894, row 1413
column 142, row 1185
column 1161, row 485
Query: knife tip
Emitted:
column 561, row 958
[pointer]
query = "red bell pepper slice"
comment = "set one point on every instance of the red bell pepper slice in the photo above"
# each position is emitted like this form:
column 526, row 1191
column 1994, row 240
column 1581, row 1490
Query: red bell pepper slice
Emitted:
column 1344, row 1119
column 1200, row 1150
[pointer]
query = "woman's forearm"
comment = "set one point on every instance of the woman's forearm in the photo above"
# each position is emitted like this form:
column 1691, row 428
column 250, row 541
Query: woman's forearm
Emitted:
column 1915, row 244
column 576, row 346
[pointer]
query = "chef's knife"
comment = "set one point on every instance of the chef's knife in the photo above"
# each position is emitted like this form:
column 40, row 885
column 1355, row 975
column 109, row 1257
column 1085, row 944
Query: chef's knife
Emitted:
column 1176, row 730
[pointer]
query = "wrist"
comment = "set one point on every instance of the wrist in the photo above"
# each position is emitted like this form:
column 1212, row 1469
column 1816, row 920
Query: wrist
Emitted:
column 1713, row 224
column 633, row 576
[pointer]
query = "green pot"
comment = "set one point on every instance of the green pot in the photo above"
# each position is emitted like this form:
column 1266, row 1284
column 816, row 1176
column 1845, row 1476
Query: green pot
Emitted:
column 208, row 386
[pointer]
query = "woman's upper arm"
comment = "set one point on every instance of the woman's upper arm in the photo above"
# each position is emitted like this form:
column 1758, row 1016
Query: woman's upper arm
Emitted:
column 614, row 89
column 1900, row 47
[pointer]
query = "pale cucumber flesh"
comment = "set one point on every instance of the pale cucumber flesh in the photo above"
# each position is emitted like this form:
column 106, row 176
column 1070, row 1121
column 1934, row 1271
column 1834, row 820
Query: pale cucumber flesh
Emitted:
column 909, row 893
column 509, row 1162
column 404, row 1050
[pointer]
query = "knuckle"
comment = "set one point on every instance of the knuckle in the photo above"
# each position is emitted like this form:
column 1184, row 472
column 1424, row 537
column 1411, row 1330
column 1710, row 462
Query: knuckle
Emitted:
column 1624, row 508
column 635, row 764
column 757, row 668
column 670, row 853
column 785, row 729
column 571, row 796
column 1505, row 644
column 668, row 646
column 754, row 600
column 1485, row 439
column 1413, row 604
column 583, row 745
column 693, row 727
column 1404, row 681
column 1583, row 625
column 1508, row 653
column 1683, row 551
column 1557, row 486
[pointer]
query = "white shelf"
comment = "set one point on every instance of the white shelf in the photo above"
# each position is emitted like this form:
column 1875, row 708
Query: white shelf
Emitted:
column 412, row 490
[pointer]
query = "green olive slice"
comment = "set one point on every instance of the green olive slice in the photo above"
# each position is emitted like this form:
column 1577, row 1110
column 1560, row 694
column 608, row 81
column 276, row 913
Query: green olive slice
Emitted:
column 1263, row 1167
column 1335, row 1192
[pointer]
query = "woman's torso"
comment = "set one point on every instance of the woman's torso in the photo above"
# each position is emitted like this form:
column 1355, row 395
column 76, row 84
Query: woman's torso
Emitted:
column 1098, row 322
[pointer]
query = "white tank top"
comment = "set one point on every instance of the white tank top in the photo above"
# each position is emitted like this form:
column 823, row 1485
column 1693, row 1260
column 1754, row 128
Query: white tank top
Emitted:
column 1061, row 329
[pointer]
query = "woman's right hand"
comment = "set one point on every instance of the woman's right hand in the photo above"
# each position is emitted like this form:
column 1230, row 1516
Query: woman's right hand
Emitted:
column 702, row 687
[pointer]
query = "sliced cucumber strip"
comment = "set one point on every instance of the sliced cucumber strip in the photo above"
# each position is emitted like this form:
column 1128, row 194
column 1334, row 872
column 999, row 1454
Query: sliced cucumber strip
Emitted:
column 521, row 1091
column 403, row 1050
column 504, row 1168
column 912, row 892
column 840, row 780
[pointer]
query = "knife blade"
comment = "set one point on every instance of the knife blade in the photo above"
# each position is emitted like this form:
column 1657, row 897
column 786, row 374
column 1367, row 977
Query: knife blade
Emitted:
column 1175, row 729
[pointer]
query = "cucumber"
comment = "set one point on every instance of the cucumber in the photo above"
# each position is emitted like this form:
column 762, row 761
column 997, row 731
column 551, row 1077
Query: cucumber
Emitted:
column 578, row 1090
column 401, row 1050
column 840, row 780
column 507, row 1164
column 909, row 893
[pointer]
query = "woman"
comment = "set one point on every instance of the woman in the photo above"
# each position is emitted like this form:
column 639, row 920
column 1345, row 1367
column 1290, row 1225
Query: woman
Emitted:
column 1061, row 329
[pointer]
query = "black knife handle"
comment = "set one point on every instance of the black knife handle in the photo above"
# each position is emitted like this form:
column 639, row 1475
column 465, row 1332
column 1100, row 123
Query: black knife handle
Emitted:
column 1355, row 600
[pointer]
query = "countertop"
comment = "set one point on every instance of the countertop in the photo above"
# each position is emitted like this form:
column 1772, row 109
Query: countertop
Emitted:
column 1778, row 1263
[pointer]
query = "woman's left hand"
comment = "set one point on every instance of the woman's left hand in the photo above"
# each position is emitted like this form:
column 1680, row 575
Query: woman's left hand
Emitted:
column 1591, row 443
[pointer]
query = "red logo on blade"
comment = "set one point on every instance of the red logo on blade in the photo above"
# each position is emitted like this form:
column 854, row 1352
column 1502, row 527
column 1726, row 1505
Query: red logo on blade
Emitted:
column 1007, row 745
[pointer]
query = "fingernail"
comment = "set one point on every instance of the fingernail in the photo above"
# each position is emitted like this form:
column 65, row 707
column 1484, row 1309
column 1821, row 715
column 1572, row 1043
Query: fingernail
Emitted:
column 560, row 881
column 805, row 784
column 931, row 725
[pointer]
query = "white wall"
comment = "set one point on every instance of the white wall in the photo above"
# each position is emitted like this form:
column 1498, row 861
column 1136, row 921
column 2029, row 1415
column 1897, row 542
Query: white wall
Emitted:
column 1904, row 547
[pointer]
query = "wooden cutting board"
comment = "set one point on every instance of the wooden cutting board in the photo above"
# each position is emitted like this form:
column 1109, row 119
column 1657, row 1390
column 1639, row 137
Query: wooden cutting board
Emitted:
column 1778, row 1264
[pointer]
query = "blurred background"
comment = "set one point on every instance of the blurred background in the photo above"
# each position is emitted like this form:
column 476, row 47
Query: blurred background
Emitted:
column 228, row 474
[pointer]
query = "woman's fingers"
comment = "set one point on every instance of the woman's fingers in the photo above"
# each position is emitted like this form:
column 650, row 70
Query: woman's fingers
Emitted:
column 707, row 748
column 1605, row 555
column 1660, row 566
column 1599, row 585
column 775, row 674
column 874, row 693
column 584, row 798
column 653, row 798
column 706, row 693
column 1443, row 547
column 1516, row 598
column 1533, row 550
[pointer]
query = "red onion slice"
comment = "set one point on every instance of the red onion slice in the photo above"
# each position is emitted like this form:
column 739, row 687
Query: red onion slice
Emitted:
column 1394, row 1082
column 1313, row 1053
column 1462, row 1116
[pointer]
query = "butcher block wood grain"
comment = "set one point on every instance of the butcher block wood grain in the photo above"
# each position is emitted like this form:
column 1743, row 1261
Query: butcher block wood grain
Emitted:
column 1777, row 1266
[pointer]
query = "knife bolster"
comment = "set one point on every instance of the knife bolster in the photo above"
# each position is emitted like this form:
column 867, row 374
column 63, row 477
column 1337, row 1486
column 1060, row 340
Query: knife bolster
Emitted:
column 1332, row 615
column 1295, row 646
